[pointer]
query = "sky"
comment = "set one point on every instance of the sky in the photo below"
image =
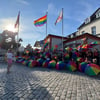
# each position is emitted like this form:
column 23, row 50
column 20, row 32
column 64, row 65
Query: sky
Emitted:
column 74, row 13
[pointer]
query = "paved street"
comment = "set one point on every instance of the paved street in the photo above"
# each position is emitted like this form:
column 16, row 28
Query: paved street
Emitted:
column 24, row 83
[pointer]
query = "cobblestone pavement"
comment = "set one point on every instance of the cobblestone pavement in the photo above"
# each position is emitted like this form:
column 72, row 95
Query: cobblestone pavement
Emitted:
column 25, row 83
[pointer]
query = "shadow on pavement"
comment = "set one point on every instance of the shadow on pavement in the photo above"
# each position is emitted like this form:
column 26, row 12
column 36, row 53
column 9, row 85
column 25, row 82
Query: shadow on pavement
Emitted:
column 22, row 84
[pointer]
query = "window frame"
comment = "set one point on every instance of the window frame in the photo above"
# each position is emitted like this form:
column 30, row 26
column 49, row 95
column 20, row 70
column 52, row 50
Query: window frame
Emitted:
column 83, row 32
column 92, row 30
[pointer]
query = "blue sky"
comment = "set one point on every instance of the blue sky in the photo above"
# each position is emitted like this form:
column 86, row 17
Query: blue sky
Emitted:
column 75, row 12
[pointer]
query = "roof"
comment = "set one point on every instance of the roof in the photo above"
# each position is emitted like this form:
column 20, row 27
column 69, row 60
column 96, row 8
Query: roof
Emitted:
column 36, row 43
column 74, row 33
column 54, row 36
column 92, row 18
column 83, row 36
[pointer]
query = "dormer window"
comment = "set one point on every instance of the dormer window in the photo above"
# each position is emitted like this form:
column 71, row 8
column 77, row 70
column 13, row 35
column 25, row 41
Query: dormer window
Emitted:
column 83, row 32
column 74, row 34
column 98, row 14
column 87, row 20
column 71, row 35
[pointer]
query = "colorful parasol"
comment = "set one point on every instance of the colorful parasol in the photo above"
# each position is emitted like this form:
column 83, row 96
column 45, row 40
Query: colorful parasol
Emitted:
column 19, row 59
column 92, row 69
column 66, row 56
column 82, row 66
column 79, row 59
column 79, row 47
column 27, row 63
column 68, row 48
column 30, row 63
column 34, row 63
column 75, row 49
column 52, row 64
column 40, row 61
column 45, row 63
column 71, row 66
column 86, row 46
column 24, row 62
column 60, row 65
column 94, row 43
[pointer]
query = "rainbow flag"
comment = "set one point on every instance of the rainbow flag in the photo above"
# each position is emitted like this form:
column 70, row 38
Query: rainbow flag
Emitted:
column 41, row 21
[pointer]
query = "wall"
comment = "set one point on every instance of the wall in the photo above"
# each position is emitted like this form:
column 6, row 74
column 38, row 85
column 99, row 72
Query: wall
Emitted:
column 88, row 27
column 56, row 41
column 81, row 42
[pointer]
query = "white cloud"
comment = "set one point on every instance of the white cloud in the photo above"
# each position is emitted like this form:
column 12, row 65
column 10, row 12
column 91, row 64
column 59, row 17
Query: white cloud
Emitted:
column 86, row 10
column 31, row 36
column 83, row 10
column 9, row 21
column 6, row 21
column 52, row 9
column 23, row 2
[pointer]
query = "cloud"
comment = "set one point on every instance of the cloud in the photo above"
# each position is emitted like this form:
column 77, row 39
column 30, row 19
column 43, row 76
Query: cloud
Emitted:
column 80, row 12
column 23, row 2
column 52, row 9
column 6, row 21
column 30, row 33
column 86, row 10
column 31, row 37
column 33, row 33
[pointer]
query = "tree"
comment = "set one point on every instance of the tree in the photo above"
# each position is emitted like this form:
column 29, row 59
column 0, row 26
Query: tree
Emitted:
column 8, row 39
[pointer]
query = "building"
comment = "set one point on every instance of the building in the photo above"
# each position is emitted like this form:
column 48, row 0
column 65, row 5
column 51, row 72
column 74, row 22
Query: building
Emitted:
column 55, row 40
column 89, row 29
column 39, row 44
column 79, row 40
column 52, row 40
column 91, row 24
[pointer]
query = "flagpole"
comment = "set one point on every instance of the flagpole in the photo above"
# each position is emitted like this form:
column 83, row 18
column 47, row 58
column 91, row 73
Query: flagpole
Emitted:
column 18, row 22
column 46, row 24
column 62, row 34
column 17, row 38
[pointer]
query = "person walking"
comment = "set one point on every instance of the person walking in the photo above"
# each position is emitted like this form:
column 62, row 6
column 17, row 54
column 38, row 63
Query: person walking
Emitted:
column 9, row 58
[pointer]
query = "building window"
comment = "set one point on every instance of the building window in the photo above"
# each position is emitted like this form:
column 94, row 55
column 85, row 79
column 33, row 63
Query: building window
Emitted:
column 74, row 34
column 98, row 14
column 71, row 35
column 87, row 20
column 93, row 30
column 83, row 32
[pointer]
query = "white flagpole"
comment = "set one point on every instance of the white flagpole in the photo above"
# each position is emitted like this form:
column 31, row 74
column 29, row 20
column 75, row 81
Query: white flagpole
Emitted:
column 46, row 24
column 17, row 37
column 62, row 34
column 18, row 30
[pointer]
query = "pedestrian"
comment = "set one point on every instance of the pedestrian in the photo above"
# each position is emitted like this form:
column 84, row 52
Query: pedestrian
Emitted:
column 89, row 56
column 96, row 55
column 9, row 59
